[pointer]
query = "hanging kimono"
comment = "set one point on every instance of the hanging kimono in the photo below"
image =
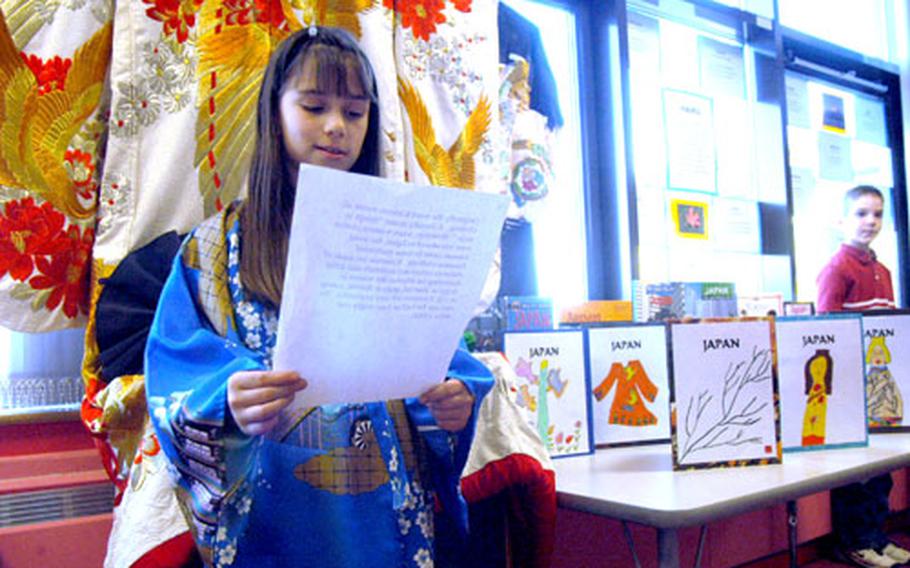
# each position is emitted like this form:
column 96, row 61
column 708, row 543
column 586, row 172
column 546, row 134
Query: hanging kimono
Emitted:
column 351, row 485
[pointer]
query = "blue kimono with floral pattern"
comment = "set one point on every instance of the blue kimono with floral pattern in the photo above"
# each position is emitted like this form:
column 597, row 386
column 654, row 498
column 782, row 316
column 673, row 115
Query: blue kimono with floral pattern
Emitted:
column 350, row 485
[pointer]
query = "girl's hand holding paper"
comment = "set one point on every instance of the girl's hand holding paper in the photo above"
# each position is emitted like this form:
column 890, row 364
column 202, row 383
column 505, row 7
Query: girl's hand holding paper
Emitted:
column 450, row 403
column 256, row 398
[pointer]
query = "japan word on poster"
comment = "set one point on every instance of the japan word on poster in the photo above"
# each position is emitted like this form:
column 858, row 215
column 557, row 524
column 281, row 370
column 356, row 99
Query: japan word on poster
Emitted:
column 820, row 366
column 885, row 337
column 553, row 387
column 723, row 393
column 630, row 383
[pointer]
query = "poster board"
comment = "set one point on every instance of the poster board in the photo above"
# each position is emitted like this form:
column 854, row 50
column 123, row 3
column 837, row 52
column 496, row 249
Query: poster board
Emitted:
column 553, row 387
column 630, row 390
column 885, row 340
column 821, row 376
column 723, row 393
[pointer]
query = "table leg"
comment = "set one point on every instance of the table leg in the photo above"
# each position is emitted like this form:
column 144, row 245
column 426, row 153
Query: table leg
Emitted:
column 631, row 542
column 667, row 548
column 701, row 545
column 792, row 519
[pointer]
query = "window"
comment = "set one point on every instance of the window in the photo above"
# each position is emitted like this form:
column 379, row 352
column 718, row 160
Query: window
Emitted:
column 858, row 25
column 40, row 372
column 558, row 220
column 838, row 138
column 707, row 140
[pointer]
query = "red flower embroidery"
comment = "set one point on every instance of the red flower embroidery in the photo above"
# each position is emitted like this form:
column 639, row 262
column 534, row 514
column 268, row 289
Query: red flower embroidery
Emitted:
column 419, row 15
column 244, row 12
column 462, row 5
column 26, row 231
column 50, row 74
column 178, row 15
column 81, row 168
column 65, row 274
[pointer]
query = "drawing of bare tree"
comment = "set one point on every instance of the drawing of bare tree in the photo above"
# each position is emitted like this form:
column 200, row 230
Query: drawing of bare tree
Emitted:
column 739, row 410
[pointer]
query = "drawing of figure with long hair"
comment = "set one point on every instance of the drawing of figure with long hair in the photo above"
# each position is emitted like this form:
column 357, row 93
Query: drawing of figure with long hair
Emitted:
column 883, row 397
column 818, row 373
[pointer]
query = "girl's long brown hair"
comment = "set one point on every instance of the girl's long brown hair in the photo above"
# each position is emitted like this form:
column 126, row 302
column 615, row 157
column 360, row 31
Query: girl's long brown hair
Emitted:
column 265, row 216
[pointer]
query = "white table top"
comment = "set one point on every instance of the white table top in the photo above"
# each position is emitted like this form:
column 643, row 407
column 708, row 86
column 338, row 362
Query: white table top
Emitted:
column 638, row 483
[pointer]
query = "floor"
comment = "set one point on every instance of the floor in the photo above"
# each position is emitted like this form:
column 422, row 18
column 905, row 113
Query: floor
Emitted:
column 812, row 557
column 901, row 537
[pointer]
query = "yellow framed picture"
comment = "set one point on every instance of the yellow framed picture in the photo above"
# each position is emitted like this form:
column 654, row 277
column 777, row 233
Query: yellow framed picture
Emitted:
column 690, row 218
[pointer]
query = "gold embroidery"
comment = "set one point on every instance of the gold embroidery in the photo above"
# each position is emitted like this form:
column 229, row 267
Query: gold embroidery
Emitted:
column 335, row 13
column 231, row 60
column 455, row 167
column 36, row 129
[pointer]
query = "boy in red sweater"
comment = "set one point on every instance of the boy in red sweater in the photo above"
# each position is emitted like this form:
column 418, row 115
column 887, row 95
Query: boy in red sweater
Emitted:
column 853, row 280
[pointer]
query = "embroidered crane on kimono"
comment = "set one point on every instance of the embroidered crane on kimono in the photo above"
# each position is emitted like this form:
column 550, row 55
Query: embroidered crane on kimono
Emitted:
column 38, row 123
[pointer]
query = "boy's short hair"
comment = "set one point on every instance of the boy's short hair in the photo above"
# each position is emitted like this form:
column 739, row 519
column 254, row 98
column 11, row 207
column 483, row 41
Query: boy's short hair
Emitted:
column 859, row 191
column 855, row 193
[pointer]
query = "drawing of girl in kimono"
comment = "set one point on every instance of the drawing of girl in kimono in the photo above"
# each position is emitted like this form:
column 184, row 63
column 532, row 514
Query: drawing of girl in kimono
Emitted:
column 883, row 397
column 818, row 372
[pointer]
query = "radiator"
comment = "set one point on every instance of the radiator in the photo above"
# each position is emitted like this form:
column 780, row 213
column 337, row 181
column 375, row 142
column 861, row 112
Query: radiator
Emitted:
column 55, row 504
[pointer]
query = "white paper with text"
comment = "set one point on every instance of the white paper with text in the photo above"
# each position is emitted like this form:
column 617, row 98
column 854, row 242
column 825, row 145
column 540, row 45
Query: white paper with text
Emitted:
column 382, row 278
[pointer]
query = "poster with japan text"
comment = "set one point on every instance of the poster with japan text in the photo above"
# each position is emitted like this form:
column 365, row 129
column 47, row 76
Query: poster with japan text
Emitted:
column 553, row 386
column 820, row 371
column 630, row 391
column 723, row 393
column 885, row 340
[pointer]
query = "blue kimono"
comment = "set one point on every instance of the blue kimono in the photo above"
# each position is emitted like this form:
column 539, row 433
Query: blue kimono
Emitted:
column 350, row 485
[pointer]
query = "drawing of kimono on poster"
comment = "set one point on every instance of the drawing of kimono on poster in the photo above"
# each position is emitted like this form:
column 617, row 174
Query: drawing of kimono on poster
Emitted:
column 818, row 371
column 633, row 386
column 886, row 405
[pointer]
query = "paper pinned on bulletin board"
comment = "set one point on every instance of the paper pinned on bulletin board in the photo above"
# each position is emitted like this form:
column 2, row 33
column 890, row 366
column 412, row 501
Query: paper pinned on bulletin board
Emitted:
column 721, row 67
column 736, row 225
column 798, row 101
column 834, row 159
column 691, row 151
column 382, row 278
column 870, row 120
column 833, row 118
